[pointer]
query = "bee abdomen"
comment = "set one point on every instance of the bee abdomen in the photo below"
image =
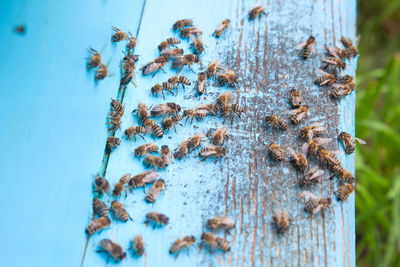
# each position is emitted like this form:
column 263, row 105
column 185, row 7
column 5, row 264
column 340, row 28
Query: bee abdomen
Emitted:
column 184, row 80
column 168, row 86
column 156, row 130
column 306, row 52
column 176, row 118
column 222, row 244
column 173, row 41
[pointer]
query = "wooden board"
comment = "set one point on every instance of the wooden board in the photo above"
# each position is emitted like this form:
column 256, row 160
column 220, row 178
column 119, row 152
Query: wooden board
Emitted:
column 56, row 135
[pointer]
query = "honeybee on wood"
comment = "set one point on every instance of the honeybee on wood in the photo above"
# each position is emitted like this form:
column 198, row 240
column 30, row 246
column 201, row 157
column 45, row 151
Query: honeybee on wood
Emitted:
column 335, row 61
column 338, row 52
column 219, row 136
column 132, row 42
column 213, row 151
column 185, row 60
column 117, row 107
column 343, row 174
column 295, row 98
column 232, row 109
column 166, row 156
column 142, row 111
column 307, row 47
column 276, row 152
column 326, row 78
column 126, row 77
column 153, row 128
column 221, row 28
column 346, row 79
column 310, row 131
column 112, row 143
column 327, row 158
column 180, row 24
column 282, row 221
column 182, row 150
column 143, row 178
column 95, row 59
column 315, row 203
column 214, row 242
column 155, row 191
column 101, row 184
column 155, row 65
column 119, row 211
column 129, row 61
column 170, row 122
column 256, row 11
column 312, row 176
column 179, row 80
column 344, row 191
column 212, row 68
column 153, row 161
column 211, row 108
column 195, row 141
column 340, row 90
column 115, row 123
column 180, row 244
column 158, row 219
column 113, row 249
column 101, row 72
column 165, row 86
column 97, row 225
column 224, row 99
column 298, row 159
column 352, row 49
column 99, row 208
column 190, row 31
column 349, row 142
column 195, row 114
column 201, row 83
column 165, row 109
column 229, row 78
column 120, row 186
column 218, row 223
column 298, row 114
column 315, row 145
column 197, row 46
column 138, row 245
column 172, row 53
column 170, row 41
column 133, row 131
column 276, row 121
column 146, row 148
column 118, row 35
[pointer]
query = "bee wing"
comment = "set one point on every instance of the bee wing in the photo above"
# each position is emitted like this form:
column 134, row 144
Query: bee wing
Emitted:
column 317, row 173
column 337, row 85
column 150, row 67
column 294, row 111
column 322, row 141
column 311, row 171
column 159, row 109
column 327, row 61
column 291, row 150
column 357, row 40
column 300, row 46
column 363, row 142
column 177, row 62
column 333, row 51
column 304, row 148
column 308, row 195
column 201, row 106
column 202, row 111
column 323, row 72
column 317, row 209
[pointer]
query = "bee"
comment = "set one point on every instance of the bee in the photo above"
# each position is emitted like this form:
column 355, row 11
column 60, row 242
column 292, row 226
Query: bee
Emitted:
column 349, row 142
column 165, row 109
column 345, row 79
column 172, row 53
column 195, row 114
column 113, row 249
column 120, row 186
column 180, row 244
column 197, row 46
column 213, row 151
column 190, row 31
column 170, row 122
column 129, row 57
column 119, row 211
column 211, row 108
column 297, row 115
column 282, row 221
column 315, row 203
column 195, row 141
column 307, row 47
column 326, row 78
column 118, row 35
column 101, row 72
column 179, row 80
column 352, row 49
column 115, row 123
column 153, row 128
column 256, row 11
column 146, row 148
column 133, row 131
column 274, row 120
column 181, row 61
column 155, row 65
column 132, row 42
column 217, row 223
column 99, row 208
column 117, row 107
column 155, row 191
column 142, row 111
column 214, row 242
column 112, row 143
column 127, row 77
column 315, row 145
column 219, row 136
column 95, row 59
column 232, row 108
column 295, row 98
column 166, row 156
column 335, row 61
column 344, row 191
column 101, row 184
column 312, row 176
column 212, row 68
column 327, row 158
column 310, row 131
column 343, row 174
column 338, row 52
column 221, row 28
column 161, row 87
column 224, row 99
column 180, row 24
column 298, row 159
column 153, row 161
column 156, row 218
column 182, row 150
column 143, row 178
column 229, row 78
column 168, row 42
column 340, row 91
column 97, row 225
column 201, row 83
column 276, row 152
column 138, row 245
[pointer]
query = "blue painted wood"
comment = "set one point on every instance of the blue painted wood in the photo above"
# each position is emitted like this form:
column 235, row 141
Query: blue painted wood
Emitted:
column 50, row 178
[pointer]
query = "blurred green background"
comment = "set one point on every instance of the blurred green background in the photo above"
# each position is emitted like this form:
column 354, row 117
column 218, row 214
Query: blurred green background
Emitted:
column 378, row 122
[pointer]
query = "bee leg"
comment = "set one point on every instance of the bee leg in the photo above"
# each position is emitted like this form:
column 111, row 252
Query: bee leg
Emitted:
column 180, row 69
column 174, row 128
column 191, row 69
column 163, row 94
column 146, row 223
column 126, row 193
column 186, row 120
column 142, row 137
